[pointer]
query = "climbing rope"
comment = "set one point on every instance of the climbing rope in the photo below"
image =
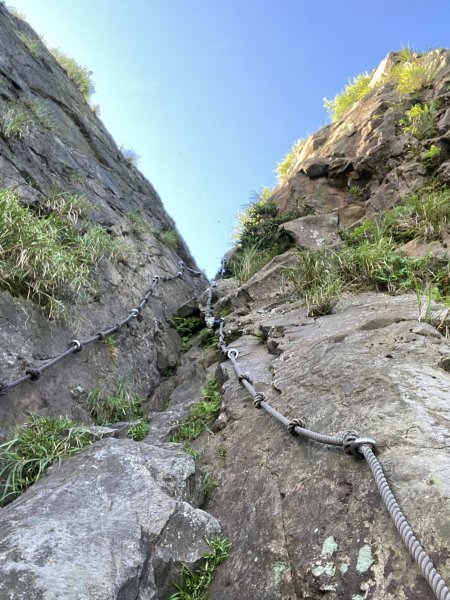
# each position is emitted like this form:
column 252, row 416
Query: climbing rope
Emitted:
column 35, row 373
column 351, row 443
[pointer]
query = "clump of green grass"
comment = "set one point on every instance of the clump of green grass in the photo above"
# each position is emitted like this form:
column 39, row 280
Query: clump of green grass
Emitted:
column 320, row 277
column 420, row 120
column 58, row 202
column 16, row 120
column 194, row 584
column 427, row 297
column 119, row 404
column 203, row 413
column 413, row 72
column 352, row 93
column 169, row 237
column 370, row 258
column 249, row 260
column 286, row 162
column 36, row 445
column 44, row 258
column 139, row 431
column 424, row 215
column 80, row 76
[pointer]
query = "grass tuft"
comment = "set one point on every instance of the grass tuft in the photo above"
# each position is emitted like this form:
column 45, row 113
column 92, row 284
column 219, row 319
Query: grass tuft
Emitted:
column 194, row 584
column 352, row 93
column 285, row 164
column 80, row 76
column 42, row 256
column 36, row 445
column 420, row 120
column 139, row 431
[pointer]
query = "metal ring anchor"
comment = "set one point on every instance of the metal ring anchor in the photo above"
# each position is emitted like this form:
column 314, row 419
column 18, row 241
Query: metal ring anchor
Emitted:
column 233, row 353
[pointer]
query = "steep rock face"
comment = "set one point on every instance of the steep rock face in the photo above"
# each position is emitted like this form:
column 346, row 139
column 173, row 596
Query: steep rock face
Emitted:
column 71, row 151
column 116, row 521
column 306, row 520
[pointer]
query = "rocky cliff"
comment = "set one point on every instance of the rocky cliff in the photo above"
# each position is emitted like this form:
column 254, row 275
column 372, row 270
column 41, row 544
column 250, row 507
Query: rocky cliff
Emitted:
column 338, row 321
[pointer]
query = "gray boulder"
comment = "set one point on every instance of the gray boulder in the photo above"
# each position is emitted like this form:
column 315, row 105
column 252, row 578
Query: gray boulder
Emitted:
column 116, row 521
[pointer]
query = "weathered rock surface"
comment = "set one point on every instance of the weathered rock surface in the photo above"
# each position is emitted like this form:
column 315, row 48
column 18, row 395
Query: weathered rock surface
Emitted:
column 116, row 521
column 306, row 521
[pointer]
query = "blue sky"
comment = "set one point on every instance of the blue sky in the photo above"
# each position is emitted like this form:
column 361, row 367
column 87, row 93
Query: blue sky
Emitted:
column 211, row 94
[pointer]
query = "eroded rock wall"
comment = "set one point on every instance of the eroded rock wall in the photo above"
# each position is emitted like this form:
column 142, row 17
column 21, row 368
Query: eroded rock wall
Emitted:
column 72, row 152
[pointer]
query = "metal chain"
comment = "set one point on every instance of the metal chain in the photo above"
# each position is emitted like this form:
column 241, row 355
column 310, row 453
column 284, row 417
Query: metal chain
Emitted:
column 351, row 443
column 35, row 373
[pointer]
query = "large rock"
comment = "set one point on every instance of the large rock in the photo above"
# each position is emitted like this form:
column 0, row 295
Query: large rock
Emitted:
column 306, row 520
column 114, row 522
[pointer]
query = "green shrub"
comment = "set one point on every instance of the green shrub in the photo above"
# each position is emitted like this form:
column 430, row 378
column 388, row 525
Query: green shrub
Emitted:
column 80, row 76
column 139, row 431
column 187, row 327
column 194, row 584
column 36, row 445
column 203, row 413
column 117, row 405
column 352, row 93
column 420, row 120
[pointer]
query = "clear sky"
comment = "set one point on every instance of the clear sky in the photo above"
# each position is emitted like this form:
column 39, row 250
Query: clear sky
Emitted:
column 212, row 93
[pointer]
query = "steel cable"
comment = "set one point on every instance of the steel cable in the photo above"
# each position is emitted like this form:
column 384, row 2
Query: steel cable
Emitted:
column 34, row 373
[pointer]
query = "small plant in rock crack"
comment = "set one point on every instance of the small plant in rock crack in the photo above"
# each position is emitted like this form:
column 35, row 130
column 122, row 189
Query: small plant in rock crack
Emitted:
column 432, row 158
column 420, row 121
column 194, row 584
column 222, row 451
column 203, row 413
column 138, row 431
column 187, row 327
column 37, row 444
